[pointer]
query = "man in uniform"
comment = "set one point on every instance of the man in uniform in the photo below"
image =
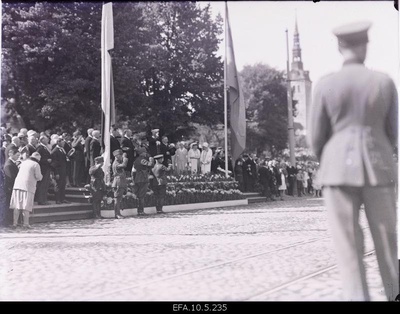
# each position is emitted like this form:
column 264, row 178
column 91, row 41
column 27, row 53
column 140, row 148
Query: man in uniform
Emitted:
column 119, row 183
column 143, row 164
column 154, row 143
column 114, row 141
column 160, row 181
column 97, row 185
column 128, row 148
column 88, row 139
column 353, row 129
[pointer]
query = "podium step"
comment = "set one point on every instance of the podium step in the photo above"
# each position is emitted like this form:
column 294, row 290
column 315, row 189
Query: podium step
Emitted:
column 62, row 212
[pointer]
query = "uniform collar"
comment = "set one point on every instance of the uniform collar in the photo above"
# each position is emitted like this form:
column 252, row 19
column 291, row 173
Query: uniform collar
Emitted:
column 352, row 61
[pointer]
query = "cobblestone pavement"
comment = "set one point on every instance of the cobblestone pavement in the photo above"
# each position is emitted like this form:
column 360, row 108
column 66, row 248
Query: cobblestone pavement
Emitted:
column 273, row 251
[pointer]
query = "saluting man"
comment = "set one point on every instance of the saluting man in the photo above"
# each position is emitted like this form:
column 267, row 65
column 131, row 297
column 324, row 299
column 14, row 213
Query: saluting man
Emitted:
column 119, row 183
column 353, row 129
column 160, row 186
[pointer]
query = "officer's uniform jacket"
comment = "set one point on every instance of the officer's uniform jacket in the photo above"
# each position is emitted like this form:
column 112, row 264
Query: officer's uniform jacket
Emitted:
column 353, row 127
column 118, row 169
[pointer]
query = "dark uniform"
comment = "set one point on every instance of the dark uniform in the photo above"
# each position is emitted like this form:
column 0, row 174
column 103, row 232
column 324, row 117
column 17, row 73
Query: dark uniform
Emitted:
column 143, row 166
column 160, row 183
column 353, row 129
column 45, row 168
column 119, row 183
column 97, row 186
column 128, row 148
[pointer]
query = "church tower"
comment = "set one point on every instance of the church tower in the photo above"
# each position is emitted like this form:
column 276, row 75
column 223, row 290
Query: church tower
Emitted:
column 301, row 86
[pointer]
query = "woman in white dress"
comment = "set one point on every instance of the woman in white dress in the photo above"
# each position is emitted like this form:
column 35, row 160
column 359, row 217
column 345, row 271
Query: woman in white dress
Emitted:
column 181, row 158
column 24, row 189
column 194, row 158
column 282, row 187
column 205, row 159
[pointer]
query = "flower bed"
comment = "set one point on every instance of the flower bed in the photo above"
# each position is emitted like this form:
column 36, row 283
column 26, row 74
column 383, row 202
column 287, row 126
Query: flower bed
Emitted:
column 185, row 189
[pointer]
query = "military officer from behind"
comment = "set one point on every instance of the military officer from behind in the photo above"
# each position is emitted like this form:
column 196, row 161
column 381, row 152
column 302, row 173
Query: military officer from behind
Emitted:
column 353, row 130
column 119, row 184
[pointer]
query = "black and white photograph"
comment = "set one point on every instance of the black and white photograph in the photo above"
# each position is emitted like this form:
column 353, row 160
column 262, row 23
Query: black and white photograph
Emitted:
column 199, row 155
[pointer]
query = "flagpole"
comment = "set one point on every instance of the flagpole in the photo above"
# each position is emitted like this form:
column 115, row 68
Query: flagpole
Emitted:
column 225, row 95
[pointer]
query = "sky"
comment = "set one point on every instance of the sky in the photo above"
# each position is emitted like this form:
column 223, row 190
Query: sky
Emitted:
column 258, row 31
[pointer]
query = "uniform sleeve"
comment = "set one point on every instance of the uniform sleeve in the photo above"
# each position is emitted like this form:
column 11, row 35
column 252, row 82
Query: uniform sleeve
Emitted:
column 392, row 115
column 319, row 126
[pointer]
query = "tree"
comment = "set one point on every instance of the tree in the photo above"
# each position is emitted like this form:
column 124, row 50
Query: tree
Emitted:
column 165, row 60
column 265, row 94
column 166, row 69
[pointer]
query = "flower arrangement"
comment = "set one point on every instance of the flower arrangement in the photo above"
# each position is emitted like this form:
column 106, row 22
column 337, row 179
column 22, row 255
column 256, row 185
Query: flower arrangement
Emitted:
column 184, row 189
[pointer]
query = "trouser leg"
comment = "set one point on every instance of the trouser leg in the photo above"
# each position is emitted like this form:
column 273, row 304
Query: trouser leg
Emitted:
column 380, row 209
column 343, row 205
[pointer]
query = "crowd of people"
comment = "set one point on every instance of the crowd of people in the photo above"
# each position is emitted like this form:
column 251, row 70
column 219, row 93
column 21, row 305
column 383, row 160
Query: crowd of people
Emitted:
column 60, row 160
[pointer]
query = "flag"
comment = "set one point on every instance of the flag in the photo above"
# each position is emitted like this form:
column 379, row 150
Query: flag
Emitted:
column 107, row 84
column 235, row 96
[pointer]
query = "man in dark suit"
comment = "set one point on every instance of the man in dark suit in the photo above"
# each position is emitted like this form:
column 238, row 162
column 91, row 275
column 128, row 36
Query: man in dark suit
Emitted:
column 353, row 129
column 59, row 164
column 15, row 143
column 45, row 168
column 114, row 142
column 143, row 165
column 88, row 139
column 154, row 143
column 10, row 173
column 95, row 147
column 128, row 148
column 31, row 146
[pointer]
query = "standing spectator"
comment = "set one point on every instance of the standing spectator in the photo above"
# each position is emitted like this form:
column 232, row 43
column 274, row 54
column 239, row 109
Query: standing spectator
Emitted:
column 119, row 184
column 181, row 159
column 97, row 185
column 265, row 179
column 194, row 158
column 15, row 143
column 292, row 180
column 24, row 189
column 114, row 142
column 10, row 173
column 305, row 181
column 248, row 174
column 238, row 171
column 353, row 132
column 88, row 159
column 172, row 150
column 142, row 164
column 128, row 148
column 78, row 160
column 154, row 142
column 166, row 151
column 205, row 159
column 31, row 146
column 3, row 155
column 299, row 179
column 282, row 187
column 68, row 150
column 59, row 161
column 95, row 147
column 160, row 182
column 45, row 169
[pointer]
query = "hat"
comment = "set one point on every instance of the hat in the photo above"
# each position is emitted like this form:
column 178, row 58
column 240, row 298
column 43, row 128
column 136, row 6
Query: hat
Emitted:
column 30, row 133
column 42, row 137
column 36, row 156
column 21, row 134
column 205, row 144
column 99, row 160
column 158, row 156
column 155, row 130
column 194, row 143
column 117, row 152
column 353, row 34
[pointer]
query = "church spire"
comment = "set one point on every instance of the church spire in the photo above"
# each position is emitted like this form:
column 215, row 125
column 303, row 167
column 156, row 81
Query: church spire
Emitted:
column 296, row 62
